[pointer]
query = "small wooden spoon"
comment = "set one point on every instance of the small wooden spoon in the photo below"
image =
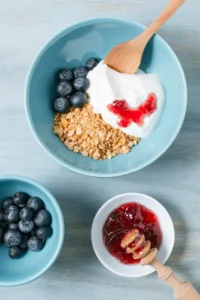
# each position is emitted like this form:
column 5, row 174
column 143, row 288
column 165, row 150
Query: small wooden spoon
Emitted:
column 182, row 290
column 131, row 242
column 126, row 57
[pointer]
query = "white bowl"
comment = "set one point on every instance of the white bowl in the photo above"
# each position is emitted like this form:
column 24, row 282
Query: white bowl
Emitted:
column 111, row 262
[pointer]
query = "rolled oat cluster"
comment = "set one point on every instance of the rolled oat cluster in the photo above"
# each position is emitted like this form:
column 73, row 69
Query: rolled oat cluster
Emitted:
column 83, row 131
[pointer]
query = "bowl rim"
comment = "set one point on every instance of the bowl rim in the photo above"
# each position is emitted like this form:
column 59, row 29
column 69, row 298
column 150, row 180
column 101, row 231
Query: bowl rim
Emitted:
column 60, row 34
column 114, row 206
column 61, row 231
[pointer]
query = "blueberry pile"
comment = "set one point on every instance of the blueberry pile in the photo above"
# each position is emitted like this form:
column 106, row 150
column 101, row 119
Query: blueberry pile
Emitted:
column 72, row 86
column 24, row 224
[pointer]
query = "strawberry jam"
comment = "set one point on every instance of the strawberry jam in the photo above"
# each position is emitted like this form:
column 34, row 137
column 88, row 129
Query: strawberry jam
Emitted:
column 124, row 218
column 137, row 115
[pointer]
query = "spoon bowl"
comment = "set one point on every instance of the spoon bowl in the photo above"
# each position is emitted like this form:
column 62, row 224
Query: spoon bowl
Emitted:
column 124, row 58
column 127, row 57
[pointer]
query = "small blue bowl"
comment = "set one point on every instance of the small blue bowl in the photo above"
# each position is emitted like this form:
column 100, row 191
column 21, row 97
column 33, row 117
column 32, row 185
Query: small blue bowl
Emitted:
column 20, row 271
column 72, row 47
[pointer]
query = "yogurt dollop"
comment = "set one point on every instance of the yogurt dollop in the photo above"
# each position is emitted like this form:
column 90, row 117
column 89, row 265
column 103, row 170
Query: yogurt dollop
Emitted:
column 108, row 85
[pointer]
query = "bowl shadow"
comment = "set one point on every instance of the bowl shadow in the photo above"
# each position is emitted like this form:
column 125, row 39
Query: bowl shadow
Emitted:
column 77, row 254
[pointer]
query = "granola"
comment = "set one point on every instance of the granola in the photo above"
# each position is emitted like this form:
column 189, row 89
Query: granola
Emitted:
column 83, row 131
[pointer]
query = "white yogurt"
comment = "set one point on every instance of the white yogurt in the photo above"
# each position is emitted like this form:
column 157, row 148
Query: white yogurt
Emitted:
column 107, row 85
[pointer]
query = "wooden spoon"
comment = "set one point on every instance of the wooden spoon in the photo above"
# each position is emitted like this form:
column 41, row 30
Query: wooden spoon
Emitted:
column 182, row 290
column 126, row 57
column 131, row 242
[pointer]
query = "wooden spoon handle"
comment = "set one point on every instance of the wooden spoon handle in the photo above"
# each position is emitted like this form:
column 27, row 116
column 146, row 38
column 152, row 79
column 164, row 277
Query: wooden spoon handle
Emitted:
column 182, row 290
column 163, row 17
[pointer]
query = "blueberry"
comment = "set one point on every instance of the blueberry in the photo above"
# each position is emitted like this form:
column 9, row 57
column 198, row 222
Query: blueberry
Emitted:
column 78, row 99
column 61, row 105
column 91, row 63
column 65, row 88
column 12, row 214
column 43, row 218
column 20, row 199
column 66, row 75
column 7, row 202
column 12, row 238
column 22, row 205
column 2, row 232
column 44, row 232
column 2, row 215
column 80, row 71
column 13, row 226
column 35, row 244
column 15, row 252
column 81, row 84
column 26, row 226
column 26, row 214
column 24, row 241
column 35, row 203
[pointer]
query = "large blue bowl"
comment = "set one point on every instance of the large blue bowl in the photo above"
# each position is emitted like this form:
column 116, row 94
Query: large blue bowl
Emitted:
column 15, row 272
column 73, row 46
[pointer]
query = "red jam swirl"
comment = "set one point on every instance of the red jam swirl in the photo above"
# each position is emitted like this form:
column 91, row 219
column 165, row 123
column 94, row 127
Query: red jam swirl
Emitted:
column 137, row 115
column 124, row 218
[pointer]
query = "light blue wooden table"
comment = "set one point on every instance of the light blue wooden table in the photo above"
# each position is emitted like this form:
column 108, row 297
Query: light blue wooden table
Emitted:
column 174, row 179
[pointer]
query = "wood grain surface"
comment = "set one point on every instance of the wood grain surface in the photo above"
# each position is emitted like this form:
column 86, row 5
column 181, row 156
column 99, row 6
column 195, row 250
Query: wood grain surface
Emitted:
column 77, row 275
